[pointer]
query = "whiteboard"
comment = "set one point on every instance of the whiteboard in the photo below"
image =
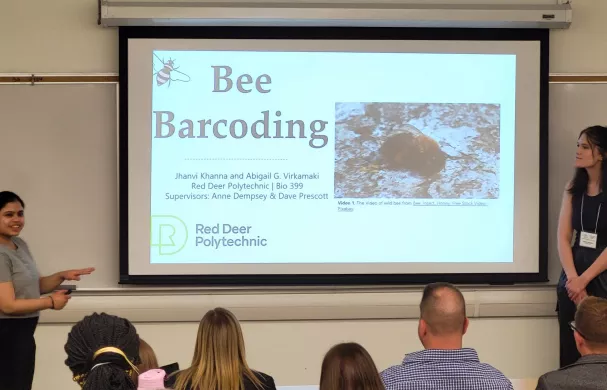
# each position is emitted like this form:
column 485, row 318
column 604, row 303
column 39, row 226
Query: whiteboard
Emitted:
column 60, row 141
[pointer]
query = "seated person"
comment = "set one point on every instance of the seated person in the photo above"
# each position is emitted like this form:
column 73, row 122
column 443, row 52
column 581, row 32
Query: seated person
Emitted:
column 589, row 372
column 349, row 366
column 219, row 361
column 443, row 364
column 103, row 352
column 147, row 357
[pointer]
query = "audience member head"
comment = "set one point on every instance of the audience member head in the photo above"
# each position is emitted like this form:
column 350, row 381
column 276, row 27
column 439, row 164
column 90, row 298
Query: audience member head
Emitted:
column 219, row 360
column 590, row 326
column 102, row 352
column 148, row 359
column 349, row 366
column 443, row 321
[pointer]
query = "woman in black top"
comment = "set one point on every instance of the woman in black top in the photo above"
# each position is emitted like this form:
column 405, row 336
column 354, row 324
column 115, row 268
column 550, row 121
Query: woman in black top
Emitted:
column 583, row 211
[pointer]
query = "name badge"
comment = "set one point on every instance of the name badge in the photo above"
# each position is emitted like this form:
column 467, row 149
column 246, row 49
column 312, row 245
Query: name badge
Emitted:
column 588, row 240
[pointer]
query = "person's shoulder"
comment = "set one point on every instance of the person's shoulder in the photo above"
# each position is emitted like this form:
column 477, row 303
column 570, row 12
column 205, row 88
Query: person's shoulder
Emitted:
column 392, row 374
column 496, row 376
column 493, row 370
column 549, row 380
column 391, row 369
column 21, row 243
column 6, row 268
column 567, row 190
column 171, row 379
column 568, row 185
column 266, row 380
column 568, row 375
column 5, row 256
column 5, row 250
column 262, row 375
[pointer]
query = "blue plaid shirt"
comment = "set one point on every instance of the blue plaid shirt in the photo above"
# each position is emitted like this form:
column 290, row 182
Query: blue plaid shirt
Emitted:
column 436, row 369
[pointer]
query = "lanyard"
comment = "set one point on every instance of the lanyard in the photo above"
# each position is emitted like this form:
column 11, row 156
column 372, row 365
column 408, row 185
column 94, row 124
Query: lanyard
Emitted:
column 582, row 215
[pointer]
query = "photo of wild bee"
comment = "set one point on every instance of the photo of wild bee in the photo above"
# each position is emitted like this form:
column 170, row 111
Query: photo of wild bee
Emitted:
column 417, row 150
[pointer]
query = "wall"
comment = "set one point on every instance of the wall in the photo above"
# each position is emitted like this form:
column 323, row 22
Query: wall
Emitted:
column 62, row 37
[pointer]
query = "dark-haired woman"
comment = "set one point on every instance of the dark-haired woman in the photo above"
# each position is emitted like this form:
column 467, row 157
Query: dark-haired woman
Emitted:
column 348, row 366
column 20, row 300
column 103, row 353
column 583, row 211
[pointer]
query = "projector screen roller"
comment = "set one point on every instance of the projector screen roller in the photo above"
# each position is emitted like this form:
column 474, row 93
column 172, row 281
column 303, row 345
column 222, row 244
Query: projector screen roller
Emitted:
column 292, row 159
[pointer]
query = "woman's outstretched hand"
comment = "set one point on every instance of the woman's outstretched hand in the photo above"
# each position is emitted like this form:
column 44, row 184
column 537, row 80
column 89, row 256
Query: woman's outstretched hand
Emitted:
column 75, row 274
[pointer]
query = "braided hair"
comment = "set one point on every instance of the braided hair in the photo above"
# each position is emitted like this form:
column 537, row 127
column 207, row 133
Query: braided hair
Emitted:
column 109, row 370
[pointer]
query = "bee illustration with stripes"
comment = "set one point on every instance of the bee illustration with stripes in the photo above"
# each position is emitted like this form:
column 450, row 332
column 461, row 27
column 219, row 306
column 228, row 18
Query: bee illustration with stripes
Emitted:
column 166, row 72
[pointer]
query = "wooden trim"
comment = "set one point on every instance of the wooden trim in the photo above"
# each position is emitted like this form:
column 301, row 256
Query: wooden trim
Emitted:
column 578, row 78
column 304, row 305
column 35, row 79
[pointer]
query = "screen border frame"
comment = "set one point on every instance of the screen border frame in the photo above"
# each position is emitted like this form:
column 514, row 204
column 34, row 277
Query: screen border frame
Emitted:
column 332, row 33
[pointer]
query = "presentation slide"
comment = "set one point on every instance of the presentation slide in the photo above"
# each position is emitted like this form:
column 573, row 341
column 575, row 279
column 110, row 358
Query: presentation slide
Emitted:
column 302, row 157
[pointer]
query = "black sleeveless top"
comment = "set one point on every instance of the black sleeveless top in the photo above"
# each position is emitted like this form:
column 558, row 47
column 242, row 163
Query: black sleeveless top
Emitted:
column 588, row 215
column 584, row 257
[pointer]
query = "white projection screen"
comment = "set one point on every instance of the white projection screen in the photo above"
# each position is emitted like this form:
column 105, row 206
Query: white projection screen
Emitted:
column 310, row 156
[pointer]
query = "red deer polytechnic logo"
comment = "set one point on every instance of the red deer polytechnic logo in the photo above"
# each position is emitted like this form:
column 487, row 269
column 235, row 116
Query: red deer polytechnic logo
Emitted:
column 168, row 233
column 164, row 71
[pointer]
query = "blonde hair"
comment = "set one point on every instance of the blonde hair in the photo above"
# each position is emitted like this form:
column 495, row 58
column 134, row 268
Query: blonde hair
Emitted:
column 148, row 359
column 348, row 366
column 219, row 361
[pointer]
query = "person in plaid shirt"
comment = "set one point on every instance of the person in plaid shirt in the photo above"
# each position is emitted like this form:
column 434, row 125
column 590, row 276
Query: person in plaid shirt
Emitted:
column 444, row 363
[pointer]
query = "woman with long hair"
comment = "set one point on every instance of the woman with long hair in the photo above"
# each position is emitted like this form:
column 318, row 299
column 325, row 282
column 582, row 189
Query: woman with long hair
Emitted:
column 21, row 300
column 219, row 361
column 583, row 211
column 348, row 366
column 103, row 353
column 147, row 358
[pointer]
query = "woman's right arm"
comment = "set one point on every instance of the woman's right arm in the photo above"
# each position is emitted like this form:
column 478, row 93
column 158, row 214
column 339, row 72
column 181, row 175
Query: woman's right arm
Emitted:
column 11, row 306
column 565, row 232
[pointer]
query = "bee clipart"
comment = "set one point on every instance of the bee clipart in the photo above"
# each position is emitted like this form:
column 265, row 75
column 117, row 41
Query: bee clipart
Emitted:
column 166, row 71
